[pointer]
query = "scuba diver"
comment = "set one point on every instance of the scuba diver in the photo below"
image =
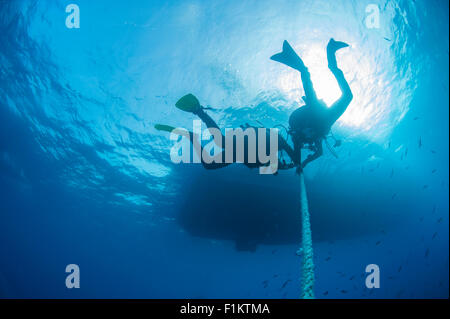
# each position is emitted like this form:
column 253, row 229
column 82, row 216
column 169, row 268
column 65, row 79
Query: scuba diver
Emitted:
column 311, row 123
column 308, row 125
column 189, row 103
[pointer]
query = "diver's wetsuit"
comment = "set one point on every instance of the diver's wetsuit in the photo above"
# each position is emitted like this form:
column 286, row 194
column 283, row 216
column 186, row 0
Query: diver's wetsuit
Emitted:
column 310, row 123
column 210, row 123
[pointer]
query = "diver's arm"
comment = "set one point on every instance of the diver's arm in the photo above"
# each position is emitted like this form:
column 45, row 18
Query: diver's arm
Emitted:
column 298, row 156
column 316, row 155
column 291, row 152
column 297, row 153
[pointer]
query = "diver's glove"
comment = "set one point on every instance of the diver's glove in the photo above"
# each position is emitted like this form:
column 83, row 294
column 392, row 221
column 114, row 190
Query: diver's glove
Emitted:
column 284, row 165
column 305, row 162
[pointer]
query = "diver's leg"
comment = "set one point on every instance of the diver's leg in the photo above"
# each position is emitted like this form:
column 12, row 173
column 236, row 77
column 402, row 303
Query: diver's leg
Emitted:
column 310, row 93
column 308, row 87
column 289, row 57
column 338, row 107
column 214, row 165
column 210, row 123
column 199, row 150
column 206, row 119
column 189, row 103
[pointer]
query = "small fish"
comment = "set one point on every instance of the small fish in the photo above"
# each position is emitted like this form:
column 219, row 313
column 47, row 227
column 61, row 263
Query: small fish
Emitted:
column 327, row 259
column 392, row 173
column 434, row 209
column 433, row 151
column 416, row 118
column 406, row 152
column 325, row 293
column 425, row 186
column 274, row 251
column 275, row 276
column 439, row 220
column 421, row 219
column 420, row 142
column 399, row 269
column 352, row 277
column 265, row 283
column 434, row 235
column 433, row 171
column 377, row 243
column 394, row 195
column 390, row 277
column 344, row 291
column 427, row 252
column 387, row 39
column 285, row 283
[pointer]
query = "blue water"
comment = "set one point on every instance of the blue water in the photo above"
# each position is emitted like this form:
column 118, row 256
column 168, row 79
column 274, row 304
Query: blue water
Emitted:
column 85, row 178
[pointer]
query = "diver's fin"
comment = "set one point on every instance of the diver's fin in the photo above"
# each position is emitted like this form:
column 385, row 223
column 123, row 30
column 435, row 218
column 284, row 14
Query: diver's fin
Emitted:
column 332, row 47
column 171, row 129
column 165, row 128
column 289, row 57
column 189, row 103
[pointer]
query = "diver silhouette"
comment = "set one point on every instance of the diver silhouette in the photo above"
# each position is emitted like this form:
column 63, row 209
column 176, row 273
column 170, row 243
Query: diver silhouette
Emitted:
column 189, row 103
column 308, row 125
column 311, row 123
